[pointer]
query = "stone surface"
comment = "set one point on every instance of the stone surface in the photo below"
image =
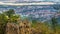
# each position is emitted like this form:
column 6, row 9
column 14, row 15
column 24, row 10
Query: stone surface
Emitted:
column 24, row 27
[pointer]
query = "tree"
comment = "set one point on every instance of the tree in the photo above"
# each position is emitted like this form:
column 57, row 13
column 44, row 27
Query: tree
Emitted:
column 54, row 23
column 11, row 15
column 4, row 16
column 9, row 12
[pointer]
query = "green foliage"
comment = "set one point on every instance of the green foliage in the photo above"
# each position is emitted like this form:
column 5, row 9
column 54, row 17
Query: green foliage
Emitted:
column 40, row 28
column 14, row 18
column 9, row 12
column 5, row 17
column 34, row 23
column 3, row 21
column 43, row 28
column 54, row 23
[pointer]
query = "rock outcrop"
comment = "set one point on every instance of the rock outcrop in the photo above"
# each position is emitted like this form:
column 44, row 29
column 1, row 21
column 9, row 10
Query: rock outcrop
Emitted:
column 23, row 27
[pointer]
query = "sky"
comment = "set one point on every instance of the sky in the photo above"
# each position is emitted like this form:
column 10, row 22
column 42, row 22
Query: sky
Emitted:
column 27, row 0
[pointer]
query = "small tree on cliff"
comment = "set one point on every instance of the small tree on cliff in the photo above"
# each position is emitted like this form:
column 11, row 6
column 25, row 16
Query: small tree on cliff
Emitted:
column 9, row 12
column 54, row 23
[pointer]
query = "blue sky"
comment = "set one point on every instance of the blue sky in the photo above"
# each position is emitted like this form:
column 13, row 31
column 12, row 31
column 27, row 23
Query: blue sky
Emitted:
column 27, row 0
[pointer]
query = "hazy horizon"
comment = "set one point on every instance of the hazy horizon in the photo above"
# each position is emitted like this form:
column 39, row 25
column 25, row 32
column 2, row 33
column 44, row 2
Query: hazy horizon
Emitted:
column 27, row 0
